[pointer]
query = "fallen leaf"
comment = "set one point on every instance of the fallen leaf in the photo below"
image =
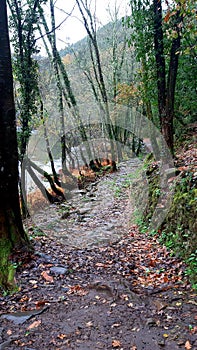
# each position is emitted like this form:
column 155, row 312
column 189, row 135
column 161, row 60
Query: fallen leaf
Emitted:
column 130, row 305
column 115, row 325
column 192, row 302
column 24, row 298
column 40, row 303
column 48, row 278
column 33, row 282
column 165, row 279
column 194, row 330
column 9, row 332
column 34, row 325
column 188, row 345
column 171, row 179
column 165, row 335
column 160, row 305
column 116, row 343
column 62, row 336
column 152, row 263
column 77, row 290
column 113, row 305
column 89, row 324
column 178, row 303
column 102, row 265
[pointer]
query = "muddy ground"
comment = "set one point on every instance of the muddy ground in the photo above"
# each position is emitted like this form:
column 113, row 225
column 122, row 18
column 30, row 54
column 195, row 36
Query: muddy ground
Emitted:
column 96, row 282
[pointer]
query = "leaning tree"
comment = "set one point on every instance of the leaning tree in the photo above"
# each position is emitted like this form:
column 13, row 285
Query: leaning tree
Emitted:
column 12, row 234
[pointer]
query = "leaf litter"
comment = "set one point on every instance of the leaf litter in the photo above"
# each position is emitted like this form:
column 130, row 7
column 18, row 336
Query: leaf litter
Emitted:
column 127, row 294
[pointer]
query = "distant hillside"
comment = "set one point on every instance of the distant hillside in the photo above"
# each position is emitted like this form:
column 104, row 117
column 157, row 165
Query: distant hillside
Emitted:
column 115, row 56
column 104, row 38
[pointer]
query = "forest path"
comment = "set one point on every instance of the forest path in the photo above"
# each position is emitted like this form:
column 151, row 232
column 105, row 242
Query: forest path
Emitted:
column 95, row 282
column 95, row 216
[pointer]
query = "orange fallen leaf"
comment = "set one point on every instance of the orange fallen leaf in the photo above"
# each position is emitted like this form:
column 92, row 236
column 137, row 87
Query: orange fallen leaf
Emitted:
column 61, row 336
column 24, row 298
column 165, row 279
column 152, row 263
column 48, row 278
column 116, row 343
column 34, row 325
column 77, row 290
column 40, row 303
column 188, row 345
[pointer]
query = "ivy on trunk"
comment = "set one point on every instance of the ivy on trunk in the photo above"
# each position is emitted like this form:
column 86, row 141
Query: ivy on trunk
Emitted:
column 12, row 234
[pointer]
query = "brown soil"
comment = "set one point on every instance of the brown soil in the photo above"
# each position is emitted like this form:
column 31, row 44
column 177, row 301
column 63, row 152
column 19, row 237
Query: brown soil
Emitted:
column 118, row 290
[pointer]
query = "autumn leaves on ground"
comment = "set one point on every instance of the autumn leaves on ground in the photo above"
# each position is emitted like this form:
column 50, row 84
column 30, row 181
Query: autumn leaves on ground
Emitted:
column 130, row 294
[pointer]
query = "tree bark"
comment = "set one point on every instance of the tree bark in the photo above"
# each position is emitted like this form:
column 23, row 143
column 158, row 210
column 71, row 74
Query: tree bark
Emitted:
column 171, row 83
column 160, row 60
column 166, row 91
column 12, row 234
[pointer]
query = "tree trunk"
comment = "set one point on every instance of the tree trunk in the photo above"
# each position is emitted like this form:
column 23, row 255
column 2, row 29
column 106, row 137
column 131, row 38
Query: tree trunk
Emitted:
column 50, row 155
column 166, row 92
column 171, row 83
column 160, row 60
column 12, row 234
column 28, row 165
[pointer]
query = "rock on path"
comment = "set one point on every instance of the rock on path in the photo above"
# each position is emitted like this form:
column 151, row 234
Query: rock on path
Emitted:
column 98, row 216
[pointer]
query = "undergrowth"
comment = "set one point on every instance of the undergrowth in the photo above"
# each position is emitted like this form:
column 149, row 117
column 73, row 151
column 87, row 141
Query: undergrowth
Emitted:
column 178, row 230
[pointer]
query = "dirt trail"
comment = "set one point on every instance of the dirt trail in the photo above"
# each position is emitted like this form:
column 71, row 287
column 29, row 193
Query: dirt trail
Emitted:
column 100, row 214
column 94, row 282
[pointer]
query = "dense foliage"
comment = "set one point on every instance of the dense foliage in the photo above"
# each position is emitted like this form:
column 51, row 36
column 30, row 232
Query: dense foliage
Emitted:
column 165, row 46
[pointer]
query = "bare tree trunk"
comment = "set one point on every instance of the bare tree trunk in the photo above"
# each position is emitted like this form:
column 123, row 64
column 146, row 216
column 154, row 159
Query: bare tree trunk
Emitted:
column 29, row 163
column 64, row 91
column 97, row 68
column 12, row 234
column 56, row 179
column 171, row 83
column 46, row 194
column 160, row 60
column 166, row 92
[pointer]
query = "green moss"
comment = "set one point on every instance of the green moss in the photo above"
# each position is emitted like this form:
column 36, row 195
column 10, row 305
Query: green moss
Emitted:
column 7, row 270
column 154, row 190
column 181, row 219
column 178, row 231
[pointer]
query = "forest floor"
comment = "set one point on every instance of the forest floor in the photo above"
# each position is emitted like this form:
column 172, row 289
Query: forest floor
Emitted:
column 95, row 282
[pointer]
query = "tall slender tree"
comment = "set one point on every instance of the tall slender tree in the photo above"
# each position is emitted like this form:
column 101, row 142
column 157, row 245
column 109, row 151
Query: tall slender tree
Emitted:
column 158, row 46
column 166, row 87
column 23, row 21
column 12, row 234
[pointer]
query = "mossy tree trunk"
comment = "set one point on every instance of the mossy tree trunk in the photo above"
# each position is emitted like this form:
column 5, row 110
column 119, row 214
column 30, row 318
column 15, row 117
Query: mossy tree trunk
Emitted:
column 12, row 234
